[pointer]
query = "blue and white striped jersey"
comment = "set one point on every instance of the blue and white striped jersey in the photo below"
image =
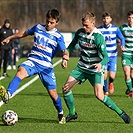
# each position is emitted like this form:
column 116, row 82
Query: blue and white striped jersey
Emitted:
column 46, row 44
column 111, row 33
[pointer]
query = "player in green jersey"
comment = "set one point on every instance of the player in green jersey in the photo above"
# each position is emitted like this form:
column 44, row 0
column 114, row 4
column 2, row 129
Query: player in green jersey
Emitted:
column 90, row 66
column 127, row 54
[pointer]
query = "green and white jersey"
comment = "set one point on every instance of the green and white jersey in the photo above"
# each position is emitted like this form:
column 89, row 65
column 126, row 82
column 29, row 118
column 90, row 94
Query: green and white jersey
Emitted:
column 127, row 32
column 92, row 47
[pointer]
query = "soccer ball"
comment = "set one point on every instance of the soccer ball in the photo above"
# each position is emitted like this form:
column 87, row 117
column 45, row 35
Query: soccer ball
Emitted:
column 9, row 117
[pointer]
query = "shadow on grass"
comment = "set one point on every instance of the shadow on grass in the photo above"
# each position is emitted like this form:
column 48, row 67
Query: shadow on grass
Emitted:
column 36, row 120
column 75, row 95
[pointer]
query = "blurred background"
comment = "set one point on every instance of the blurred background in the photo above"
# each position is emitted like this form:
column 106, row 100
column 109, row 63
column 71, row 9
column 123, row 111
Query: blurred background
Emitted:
column 24, row 14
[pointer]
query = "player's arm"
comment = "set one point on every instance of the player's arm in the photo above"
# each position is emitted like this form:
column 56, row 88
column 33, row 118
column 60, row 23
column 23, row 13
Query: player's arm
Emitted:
column 65, row 58
column 18, row 35
column 122, row 39
column 73, row 42
column 102, row 50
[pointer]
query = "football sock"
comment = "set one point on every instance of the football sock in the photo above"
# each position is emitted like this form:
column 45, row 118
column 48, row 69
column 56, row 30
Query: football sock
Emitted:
column 69, row 100
column 13, row 85
column 111, row 80
column 109, row 103
column 105, row 87
column 58, row 105
column 129, row 84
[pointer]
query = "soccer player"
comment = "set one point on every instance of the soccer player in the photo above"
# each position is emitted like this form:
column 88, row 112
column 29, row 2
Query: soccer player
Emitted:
column 90, row 66
column 47, row 39
column 127, row 54
column 111, row 33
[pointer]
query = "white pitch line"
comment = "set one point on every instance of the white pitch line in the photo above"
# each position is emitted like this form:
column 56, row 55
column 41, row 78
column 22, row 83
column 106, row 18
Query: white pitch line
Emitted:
column 28, row 83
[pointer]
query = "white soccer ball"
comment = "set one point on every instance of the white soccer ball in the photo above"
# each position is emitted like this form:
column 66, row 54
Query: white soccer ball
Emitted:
column 9, row 117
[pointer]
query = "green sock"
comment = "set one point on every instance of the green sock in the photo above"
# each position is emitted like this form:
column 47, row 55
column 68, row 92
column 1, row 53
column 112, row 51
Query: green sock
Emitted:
column 69, row 100
column 129, row 84
column 109, row 103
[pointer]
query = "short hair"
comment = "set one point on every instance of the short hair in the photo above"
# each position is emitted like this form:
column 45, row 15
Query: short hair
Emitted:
column 54, row 13
column 88, row 15
column 106, row 14
column 129, row 13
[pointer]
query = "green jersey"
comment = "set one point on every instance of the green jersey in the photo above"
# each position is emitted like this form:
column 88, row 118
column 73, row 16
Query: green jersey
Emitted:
column 127, row 32
column 92, row 47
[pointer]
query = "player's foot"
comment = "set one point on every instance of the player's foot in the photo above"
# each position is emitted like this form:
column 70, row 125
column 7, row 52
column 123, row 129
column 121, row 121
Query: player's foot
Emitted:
column 125, row 117
column 14, row 67
column 9, row 67
column 130, row 95
column 106, row 93
column 5, row 75
column 71, row 117
column 4, row 95
column 111, row 88
column 127, row 91
column 62, row 119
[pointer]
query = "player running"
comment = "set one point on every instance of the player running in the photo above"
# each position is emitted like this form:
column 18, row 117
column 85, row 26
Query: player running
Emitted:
column 90, row 67
column 111, row 33
column 47, row 40
column 127, row 54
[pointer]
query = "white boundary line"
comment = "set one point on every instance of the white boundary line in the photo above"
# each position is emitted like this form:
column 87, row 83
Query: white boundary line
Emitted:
column 28, row 83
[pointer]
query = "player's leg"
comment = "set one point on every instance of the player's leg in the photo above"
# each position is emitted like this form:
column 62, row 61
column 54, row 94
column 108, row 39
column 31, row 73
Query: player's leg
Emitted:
column 67, row 93
column 111, row 80
column 98, row 89
column 112, row 72
column 126, row 63
column 69, row 99
column 25, row 69
column 105, row 87
column 49, row 81
column 132, row 76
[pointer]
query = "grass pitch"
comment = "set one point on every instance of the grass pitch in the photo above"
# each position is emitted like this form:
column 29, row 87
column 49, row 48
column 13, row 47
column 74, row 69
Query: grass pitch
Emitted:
column 38, row 115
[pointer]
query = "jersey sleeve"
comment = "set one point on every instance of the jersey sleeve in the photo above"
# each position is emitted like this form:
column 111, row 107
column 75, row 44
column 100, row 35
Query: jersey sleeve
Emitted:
column 31, row 30
column 121, row 37
column 101, row 45
column 73, row 42
column 61, row 43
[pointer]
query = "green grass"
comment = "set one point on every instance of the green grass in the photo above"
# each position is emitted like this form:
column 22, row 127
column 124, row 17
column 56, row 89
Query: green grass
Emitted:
column 38, row 115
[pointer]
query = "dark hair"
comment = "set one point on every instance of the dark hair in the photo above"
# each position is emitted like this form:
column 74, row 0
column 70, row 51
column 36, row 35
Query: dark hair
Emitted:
column 54, row 13
column 106, row 14
column 129, row 13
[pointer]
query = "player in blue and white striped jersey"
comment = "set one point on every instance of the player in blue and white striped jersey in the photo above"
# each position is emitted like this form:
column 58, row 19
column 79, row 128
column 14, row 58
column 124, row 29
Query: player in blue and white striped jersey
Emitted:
column 111, row 33
column 47, row 40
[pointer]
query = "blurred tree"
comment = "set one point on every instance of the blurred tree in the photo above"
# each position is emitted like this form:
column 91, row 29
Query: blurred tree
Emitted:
column 24, row 14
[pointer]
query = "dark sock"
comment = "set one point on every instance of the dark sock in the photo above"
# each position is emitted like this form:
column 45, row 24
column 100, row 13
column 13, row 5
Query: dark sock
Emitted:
column 111, row 80
column 105, row 87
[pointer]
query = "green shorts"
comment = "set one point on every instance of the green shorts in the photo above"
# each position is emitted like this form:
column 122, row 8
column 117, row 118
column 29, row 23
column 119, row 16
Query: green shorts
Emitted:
column 93, row 77
column 127, row 60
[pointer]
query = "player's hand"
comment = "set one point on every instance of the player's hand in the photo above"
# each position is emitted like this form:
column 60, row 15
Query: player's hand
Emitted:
column 5, row 41
column 122, row 48
column 64, row 64
column 98, row 66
